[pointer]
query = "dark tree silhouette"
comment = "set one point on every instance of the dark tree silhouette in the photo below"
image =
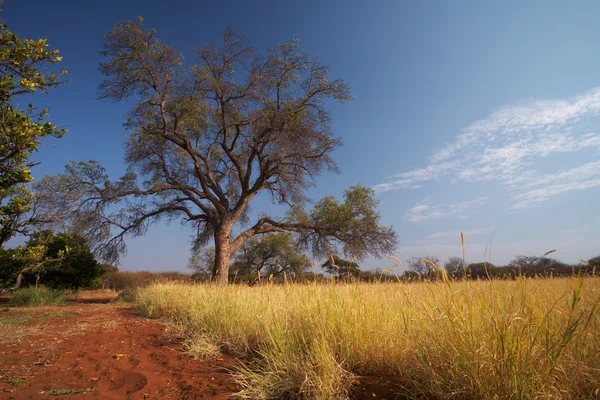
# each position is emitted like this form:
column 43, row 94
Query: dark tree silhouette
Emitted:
column 343, row 268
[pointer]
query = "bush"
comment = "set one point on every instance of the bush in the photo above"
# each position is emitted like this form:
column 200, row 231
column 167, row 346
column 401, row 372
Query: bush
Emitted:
column 78, row 270
column 127, row 296
column 121, row 280
column 40, row 296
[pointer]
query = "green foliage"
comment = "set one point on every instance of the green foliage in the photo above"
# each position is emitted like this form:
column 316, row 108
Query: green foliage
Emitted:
column 37, row 296
column 15, row 321
column 79, row 269
column 343, row 268
column 127, row 296
column 268, row 255
column 9, row 267
column 23, row 70
column 61, row 261
column 482, row 270
column 594, row 262
column 53, row 392
column 354, row 224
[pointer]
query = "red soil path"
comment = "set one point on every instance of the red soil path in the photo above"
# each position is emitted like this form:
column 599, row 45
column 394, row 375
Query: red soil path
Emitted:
column 92, row 349
column 104, row 348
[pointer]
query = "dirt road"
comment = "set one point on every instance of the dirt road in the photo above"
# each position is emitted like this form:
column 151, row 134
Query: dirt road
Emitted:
column 99, row 351
column 92, row 348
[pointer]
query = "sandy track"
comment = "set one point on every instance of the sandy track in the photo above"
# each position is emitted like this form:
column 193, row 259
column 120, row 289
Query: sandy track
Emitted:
column 100, row 351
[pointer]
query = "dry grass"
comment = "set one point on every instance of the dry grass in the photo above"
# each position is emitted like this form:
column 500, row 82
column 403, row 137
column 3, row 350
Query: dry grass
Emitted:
column 523, row 339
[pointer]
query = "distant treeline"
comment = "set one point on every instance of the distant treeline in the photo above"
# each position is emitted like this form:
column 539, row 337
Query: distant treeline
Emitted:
column 526, row 266
column 424, row 268
column 117, row 280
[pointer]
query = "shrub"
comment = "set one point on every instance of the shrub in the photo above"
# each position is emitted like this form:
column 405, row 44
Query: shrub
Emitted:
column 39, row 296
column 121, row 280
column 482, row 270
column 127, row 296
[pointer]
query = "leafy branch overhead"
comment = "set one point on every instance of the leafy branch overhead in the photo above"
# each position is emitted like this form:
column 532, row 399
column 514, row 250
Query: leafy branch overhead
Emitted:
column 24, row 69
column 205, row 139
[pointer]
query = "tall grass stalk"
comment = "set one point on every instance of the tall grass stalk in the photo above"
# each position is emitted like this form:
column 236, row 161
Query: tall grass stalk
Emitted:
column 522, row 339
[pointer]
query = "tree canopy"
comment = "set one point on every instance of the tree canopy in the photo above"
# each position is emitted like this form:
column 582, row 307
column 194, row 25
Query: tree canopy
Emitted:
column 56, row 260
column 205, row 139
column 454, row 265
column 343, row 268
column 271, row 254
column 24, row 69
column 423, row 265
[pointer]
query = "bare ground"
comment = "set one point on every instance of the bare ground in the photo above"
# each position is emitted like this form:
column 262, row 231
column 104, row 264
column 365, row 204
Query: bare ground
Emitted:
column 100, row 351
column 95, row 349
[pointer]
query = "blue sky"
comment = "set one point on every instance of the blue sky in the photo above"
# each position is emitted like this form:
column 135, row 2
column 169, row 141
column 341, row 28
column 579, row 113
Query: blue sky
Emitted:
column 469, row 116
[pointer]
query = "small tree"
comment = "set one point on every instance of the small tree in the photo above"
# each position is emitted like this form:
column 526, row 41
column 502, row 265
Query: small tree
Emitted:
column 202, row 261
column 208, row 139
column 482, row 270
column 269, row 255
column 108, row 275
column 77, row 269
column 424, row 265
column 343, row 268
column 32, row 258
column 594, row 262
column 59, row 261
column 454, row 266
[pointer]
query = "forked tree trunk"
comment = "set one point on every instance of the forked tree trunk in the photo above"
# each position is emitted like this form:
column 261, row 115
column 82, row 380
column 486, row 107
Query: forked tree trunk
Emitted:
column 222, row 257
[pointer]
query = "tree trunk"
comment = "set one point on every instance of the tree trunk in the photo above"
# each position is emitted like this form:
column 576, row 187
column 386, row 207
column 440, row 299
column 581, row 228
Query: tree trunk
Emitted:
column 222, row 257
column 19, row 278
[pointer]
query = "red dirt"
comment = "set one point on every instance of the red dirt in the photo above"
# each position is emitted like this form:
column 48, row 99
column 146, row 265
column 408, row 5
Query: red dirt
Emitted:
column 93, row 349
column 103, row 347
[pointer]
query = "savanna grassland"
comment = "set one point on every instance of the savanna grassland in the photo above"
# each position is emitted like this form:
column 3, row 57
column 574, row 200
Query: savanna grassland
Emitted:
column 502, row 339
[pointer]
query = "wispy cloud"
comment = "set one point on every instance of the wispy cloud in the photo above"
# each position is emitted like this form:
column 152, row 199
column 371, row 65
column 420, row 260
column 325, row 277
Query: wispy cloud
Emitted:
column 524, row 117
column 540, row 188
column 425, row 210
column 456, row 234
column 506, row 146
column 412, row 179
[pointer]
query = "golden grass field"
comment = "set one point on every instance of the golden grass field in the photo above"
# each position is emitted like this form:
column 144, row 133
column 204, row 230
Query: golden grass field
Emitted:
column 517, row 339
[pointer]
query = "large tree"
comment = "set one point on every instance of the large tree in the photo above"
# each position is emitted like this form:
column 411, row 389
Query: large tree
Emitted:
column 207, row 138
column 25, row 68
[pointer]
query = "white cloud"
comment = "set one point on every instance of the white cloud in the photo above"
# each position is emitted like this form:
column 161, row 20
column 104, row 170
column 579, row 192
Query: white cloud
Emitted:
column 426, row 211
column 506, row 146
column 456, row 234
column 524, row 117
column 411, row 179
column 541, row 188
